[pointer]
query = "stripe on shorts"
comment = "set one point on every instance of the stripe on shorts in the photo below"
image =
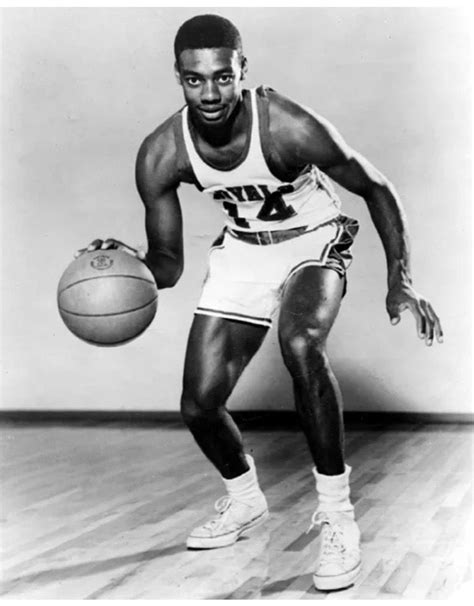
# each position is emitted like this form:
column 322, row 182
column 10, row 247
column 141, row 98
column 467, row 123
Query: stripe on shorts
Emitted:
column 330, row 244
column 230, row 315
column 311, row 264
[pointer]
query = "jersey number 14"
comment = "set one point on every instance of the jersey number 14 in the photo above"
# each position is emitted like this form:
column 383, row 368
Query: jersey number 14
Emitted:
column 274, row 207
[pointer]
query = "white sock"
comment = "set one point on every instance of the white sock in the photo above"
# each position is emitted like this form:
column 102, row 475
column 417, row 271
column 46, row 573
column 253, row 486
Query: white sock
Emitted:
column 333, row 491
column 244, row 487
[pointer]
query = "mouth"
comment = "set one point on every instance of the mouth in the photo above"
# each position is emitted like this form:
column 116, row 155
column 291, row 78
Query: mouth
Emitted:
column 211, row 114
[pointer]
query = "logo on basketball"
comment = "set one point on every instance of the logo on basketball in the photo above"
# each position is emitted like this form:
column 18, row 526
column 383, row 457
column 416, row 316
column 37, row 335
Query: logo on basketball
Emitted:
column 102, row 262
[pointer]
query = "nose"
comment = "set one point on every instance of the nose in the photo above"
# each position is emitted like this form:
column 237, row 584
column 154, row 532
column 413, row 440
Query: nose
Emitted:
column 210, row 93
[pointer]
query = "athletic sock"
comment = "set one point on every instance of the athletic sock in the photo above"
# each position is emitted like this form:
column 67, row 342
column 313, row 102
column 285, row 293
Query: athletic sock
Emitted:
column 244, row 487
column 333, row 491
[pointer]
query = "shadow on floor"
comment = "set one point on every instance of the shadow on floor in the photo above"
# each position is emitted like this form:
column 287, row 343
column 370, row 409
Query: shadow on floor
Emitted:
column 55, row 575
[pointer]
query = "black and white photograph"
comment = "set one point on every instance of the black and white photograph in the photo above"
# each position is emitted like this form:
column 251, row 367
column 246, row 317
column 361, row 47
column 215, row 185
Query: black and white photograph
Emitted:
column 236, row 303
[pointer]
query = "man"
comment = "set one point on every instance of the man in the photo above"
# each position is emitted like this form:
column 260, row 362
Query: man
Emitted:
column 285, row 246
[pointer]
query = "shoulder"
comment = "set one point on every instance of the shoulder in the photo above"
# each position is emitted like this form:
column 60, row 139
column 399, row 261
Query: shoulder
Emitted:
column 300, row 132
column 158, row 152
column 293, row 118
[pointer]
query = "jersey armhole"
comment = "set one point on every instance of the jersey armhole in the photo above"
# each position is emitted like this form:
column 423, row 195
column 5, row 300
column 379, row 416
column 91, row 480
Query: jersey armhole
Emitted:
column 183, row 162
column 275, row 162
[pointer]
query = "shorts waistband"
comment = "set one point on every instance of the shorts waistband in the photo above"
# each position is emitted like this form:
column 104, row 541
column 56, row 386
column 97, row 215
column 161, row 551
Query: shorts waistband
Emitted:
column 263, row 238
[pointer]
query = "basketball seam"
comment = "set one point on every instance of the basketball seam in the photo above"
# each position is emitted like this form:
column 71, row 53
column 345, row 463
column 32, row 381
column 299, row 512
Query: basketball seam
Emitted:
column 105, row 276
column 116, row 313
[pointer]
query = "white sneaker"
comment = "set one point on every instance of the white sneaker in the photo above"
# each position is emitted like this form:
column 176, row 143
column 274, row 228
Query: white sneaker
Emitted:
column 338, row 563
column 234, row 519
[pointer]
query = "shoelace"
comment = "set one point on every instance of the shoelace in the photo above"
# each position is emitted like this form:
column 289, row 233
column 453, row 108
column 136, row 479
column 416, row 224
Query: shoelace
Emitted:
column 332, row 539
column 221, row 506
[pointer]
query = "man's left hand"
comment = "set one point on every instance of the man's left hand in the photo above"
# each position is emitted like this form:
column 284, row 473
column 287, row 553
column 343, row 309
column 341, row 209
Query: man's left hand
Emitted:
column 402, row 297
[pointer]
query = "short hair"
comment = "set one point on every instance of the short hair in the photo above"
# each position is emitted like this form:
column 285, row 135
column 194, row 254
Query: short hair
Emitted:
column 207, row 31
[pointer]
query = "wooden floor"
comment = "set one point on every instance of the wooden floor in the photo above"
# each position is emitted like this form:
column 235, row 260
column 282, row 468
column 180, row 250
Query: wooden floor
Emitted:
column 102, row 512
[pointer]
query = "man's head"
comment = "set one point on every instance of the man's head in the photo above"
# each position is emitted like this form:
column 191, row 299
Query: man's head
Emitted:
column 207, row 31
column 210, row 67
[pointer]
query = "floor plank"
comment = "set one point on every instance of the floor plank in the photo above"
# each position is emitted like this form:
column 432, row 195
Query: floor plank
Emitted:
column 102, row 512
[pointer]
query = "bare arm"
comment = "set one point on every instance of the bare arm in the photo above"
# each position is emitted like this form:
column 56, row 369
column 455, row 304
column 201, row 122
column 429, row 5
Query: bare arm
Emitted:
column 318, row 142
column 357, row 175
column 157, row 182
column 157, row 178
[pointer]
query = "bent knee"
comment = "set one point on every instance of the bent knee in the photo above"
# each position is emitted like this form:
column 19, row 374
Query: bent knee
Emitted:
column 299, row 340
column 191, row 412
column 197, row 405
column 304, row 345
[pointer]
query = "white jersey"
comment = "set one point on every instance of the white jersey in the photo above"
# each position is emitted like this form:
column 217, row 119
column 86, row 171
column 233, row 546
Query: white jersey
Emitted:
column 252, row 198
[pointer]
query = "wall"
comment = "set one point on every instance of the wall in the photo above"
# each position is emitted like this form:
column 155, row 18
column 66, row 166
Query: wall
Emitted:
column 82, row 87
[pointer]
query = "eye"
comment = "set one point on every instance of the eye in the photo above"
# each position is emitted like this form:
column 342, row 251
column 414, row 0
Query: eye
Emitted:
column 225, row 78
column 192, row 81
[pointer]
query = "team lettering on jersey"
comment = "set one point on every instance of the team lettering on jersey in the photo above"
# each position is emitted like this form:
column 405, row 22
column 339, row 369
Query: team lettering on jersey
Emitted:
column 274, row 207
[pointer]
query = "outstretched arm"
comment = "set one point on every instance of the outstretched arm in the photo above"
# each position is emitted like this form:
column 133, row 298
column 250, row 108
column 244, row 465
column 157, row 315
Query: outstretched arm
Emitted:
column 318, row 142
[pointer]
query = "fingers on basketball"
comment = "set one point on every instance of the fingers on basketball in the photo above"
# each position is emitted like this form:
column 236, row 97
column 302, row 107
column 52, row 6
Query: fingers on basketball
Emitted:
column 94, row 245
column 141, row 253
column 112, row 243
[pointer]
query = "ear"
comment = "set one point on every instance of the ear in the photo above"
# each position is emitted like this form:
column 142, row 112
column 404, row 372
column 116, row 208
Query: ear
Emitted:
column 177, row 74
column 243, row 67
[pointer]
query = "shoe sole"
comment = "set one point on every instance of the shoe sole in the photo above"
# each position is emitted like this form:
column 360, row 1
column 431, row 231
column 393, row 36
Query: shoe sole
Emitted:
column 340, row 581
column 227, row 539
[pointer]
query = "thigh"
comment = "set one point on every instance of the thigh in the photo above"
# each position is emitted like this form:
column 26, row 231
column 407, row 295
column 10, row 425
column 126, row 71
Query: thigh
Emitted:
column 310, row 302
column 218, row 351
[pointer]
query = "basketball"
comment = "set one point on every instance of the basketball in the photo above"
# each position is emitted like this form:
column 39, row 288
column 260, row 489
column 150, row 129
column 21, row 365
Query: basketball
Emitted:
column 107, row 297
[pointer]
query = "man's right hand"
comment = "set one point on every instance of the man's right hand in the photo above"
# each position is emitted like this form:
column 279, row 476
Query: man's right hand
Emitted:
column 108, row 244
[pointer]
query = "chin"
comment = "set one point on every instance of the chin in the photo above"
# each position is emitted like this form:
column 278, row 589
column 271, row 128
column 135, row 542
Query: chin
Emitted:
column 201, row 120
column 214, row 123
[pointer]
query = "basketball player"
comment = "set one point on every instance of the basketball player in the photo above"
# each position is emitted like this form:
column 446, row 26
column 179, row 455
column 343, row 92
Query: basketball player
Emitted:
column 286, row 246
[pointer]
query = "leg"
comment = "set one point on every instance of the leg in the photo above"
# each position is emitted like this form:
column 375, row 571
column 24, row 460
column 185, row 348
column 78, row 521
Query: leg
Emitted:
column 218, row 351
column 310, row 305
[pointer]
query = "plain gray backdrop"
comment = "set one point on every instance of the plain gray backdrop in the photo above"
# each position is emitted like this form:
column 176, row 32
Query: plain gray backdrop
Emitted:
column 83, row 87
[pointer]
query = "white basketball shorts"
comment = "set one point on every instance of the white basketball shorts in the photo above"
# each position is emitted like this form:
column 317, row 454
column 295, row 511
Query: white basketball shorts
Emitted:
column 245, row 281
